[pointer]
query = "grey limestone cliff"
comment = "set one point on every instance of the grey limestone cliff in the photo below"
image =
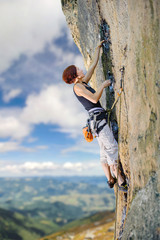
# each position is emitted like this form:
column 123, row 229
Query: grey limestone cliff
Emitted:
column 133, row 32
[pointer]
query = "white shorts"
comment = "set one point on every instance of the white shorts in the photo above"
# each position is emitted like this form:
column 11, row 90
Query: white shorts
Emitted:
column 108, row 144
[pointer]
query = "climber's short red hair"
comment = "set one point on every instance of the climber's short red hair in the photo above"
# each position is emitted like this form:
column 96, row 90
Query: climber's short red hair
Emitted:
column 69, row 74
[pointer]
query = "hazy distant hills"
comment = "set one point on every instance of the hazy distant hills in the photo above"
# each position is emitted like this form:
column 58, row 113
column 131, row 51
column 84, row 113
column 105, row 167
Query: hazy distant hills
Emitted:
column 15, row 226
column 35, row 207
column 99, row 226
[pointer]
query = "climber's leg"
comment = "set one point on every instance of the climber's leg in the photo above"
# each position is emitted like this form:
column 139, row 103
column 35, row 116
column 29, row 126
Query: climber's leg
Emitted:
column 120, row 177
column 107, row 172
column 111, row 181
column 103, row 159
column 122, row 184
column 109, row 153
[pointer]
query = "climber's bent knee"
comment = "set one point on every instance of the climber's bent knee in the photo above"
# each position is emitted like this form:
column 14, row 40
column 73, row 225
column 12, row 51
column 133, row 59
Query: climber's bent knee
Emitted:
column 114, row 166
column 108, row 161
column 103, row 161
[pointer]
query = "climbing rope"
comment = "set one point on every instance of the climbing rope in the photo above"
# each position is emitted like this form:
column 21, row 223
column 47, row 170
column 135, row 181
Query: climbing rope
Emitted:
column 109, row 111
column 119, row 123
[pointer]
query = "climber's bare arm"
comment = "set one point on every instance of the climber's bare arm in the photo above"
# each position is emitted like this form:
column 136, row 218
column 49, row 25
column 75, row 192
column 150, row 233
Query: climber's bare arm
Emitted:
column 93, row 97
column 93, row 64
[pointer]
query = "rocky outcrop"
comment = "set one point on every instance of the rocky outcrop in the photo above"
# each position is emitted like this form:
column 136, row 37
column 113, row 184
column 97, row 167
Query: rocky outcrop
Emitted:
column 133, row 31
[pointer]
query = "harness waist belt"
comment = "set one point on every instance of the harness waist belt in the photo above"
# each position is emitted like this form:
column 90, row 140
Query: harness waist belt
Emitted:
column 96, row 110
column 98, row 115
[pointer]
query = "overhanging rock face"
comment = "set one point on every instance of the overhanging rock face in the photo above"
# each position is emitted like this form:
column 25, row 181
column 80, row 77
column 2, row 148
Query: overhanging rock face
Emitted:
column 134, row 29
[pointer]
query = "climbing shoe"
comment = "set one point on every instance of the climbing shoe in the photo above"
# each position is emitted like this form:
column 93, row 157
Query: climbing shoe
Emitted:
column 123, row 187
column 111, row 184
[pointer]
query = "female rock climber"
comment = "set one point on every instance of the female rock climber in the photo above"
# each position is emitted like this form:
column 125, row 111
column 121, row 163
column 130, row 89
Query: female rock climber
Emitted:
column 89, row 98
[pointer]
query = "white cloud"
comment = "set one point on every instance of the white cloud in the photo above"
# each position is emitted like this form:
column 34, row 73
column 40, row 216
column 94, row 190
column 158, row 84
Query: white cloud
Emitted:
column 79, row 166
column 71, row 58
column 79, row 62
column 83, row 146
column 42, row 147
column 12, row 126
column 31, row 140
column 26, row 26
column 11, row 94
column 50, row 168
column 27, row 166
column 31, row 74
column 10, row 146
column 55, row 104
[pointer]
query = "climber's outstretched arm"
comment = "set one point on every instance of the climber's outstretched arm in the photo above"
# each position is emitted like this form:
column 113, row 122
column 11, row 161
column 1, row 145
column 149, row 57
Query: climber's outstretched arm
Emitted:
column 94, row 63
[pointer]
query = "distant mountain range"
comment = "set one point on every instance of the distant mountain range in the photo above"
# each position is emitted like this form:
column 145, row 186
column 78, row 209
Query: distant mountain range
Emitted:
column 34, row 207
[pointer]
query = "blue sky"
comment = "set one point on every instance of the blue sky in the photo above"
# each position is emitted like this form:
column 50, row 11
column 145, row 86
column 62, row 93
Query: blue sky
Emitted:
column 40, row 119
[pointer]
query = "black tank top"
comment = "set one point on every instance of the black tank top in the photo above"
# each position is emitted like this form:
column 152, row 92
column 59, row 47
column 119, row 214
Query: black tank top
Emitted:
column 88, row 105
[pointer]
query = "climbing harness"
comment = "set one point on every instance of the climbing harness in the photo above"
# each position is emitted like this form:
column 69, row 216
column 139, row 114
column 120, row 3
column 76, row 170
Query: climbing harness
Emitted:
column 118, row 162
column 96, row 115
